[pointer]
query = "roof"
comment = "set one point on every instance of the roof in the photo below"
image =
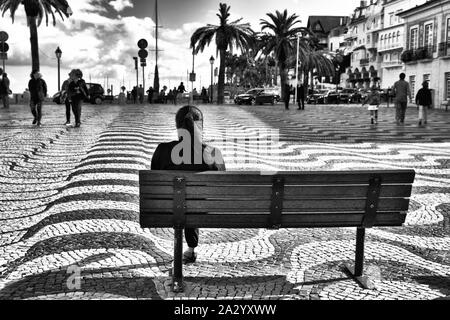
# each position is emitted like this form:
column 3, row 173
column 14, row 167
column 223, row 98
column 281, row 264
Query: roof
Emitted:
column 426, row 4
column 327, row 22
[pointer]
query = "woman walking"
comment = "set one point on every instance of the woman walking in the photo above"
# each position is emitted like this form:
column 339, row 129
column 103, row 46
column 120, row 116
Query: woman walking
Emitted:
column 38, row 92
column 423, row 101
column 77, row 92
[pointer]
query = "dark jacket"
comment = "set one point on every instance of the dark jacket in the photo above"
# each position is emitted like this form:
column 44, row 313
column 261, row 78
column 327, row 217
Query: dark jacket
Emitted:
column 4, row 86
column 162, row 159
column 300, row 93
column 38, row 89
column 423, row 97
column 78, row 90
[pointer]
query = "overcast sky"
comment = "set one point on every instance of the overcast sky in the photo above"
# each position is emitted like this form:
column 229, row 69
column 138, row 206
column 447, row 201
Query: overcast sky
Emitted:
column 101, row 37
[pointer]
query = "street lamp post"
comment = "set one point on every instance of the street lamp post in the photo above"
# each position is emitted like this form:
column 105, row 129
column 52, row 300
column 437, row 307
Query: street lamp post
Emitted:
column 211, row 61
column 58, row 54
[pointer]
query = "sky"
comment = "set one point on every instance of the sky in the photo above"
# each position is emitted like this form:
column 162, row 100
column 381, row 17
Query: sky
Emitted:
column 101, row 36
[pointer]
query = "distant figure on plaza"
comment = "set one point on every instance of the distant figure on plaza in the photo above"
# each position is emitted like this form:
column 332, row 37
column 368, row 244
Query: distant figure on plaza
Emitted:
column 287, row 95
column 195, row 92
column 38, row 92
column 64, row 99
column 181, row 88
column 301, row 97
column 424, row 101
column 204, row 95
column 150, row 93
column 189, row 123
column 5, row 91
column 175, row 95
column 134, row 94
column 373, row 100
column 141, row 94
column 26, row 95
column 77, row 93
column 401, row 91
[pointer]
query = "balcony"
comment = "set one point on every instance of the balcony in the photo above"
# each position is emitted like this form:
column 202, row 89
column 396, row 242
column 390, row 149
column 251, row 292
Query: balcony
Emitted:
column 414, row 55
column 391, row 64
column 364, row 62
column 444, row 49
column 391, row 46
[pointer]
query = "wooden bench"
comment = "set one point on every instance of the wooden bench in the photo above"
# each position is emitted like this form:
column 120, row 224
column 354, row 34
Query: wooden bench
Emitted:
column 361, row 199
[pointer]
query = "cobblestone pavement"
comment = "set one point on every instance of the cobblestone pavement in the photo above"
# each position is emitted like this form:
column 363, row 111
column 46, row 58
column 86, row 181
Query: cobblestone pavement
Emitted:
column 69, row 197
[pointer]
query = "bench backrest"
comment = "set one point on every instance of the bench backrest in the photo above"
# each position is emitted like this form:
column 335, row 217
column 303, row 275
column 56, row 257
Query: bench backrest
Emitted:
column 284, row 199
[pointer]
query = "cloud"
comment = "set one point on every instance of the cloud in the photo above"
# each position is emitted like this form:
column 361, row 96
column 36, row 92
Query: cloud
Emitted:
column 120, row 5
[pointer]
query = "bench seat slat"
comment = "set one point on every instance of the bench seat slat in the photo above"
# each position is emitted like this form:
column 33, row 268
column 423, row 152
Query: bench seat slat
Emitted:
column 387, row 176
column 387, row 204
column 356, row 191
column 262, row 221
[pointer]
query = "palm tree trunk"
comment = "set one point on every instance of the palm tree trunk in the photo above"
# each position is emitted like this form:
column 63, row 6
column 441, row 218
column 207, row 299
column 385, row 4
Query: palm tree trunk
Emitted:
column 283, row 78
column 221, row 83
column 34, row 43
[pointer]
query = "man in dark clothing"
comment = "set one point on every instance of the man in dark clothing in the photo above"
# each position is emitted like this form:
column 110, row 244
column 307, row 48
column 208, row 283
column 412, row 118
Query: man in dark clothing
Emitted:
column 150, row 93
column 134, row 94
column 402, row 91
column 181, row 88
column 287, row 95
column 38, row 92
column 4, row 89
column 301, row 97
column 189, row 122
column 423, row 101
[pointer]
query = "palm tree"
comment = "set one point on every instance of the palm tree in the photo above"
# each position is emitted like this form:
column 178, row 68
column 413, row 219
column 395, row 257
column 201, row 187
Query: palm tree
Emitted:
column 35, row 11
column 281, row 40
column 227, row 35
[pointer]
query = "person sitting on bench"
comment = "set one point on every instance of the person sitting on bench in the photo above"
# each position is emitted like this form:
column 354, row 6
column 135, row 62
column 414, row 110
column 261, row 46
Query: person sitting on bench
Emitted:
column 189, row 153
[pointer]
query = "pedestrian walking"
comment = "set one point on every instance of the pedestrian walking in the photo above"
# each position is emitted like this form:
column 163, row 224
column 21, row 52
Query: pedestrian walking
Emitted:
column 301, row 97
column 5, row 91
column 373, row 100
column 423, row 101
column 134, row 94
column 150, row 93
column 141, row 94
column 64, row 99
column 189, row 122
column 38, row 92
column 175, row 95
column 401, row 91
column 77, row 93
column 287, row 96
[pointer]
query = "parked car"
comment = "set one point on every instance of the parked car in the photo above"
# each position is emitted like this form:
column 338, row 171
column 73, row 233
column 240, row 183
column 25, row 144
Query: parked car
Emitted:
column 323, row 96
column 350, row 96
column 256, row 96
column 96, row 92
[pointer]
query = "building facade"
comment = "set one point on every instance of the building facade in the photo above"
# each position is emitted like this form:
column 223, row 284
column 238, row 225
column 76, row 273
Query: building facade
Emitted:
column 427, row 48
column 391, row 39
column 362, row 40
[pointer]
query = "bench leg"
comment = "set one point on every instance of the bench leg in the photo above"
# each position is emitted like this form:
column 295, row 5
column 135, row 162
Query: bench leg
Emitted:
column 177, row 275
column 357, row 269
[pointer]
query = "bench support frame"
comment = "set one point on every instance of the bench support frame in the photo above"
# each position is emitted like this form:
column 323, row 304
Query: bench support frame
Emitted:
column 179, row 210
column 357, row 271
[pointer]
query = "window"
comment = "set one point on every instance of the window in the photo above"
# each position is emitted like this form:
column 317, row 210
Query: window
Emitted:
column 448, row 30
column 381, row 40
column 447, row 86
column 413, row 39
column 331, row 49
column 412, row 84
column 391, row 18
column 428, row 35
column 389, row 39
